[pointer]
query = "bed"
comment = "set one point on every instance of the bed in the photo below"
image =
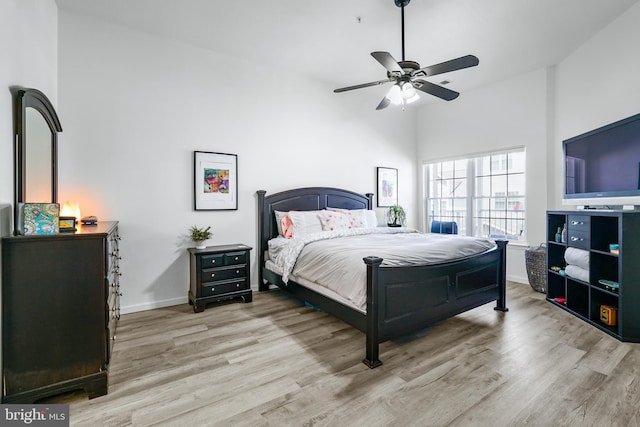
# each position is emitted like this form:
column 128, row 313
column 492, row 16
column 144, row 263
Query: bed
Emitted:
column 400, row 299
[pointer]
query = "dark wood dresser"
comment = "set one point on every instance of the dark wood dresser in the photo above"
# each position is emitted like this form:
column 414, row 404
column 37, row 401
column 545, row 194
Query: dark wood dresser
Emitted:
column 60, row 309
column 219, row 273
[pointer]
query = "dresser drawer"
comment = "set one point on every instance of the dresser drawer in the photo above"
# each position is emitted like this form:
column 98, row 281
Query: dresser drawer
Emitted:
column 225, row 273
column 579, row 223
column 211, row 289
column 578, row 239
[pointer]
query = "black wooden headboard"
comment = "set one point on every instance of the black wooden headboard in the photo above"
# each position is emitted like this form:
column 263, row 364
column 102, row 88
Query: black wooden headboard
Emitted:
column 301, row 199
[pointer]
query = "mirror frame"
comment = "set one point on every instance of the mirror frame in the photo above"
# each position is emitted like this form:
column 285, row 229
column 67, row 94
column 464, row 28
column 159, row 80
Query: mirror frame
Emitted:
column 24, row 98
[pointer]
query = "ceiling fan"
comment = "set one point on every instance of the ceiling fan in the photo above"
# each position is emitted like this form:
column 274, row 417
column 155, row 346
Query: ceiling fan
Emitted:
column 407, row 76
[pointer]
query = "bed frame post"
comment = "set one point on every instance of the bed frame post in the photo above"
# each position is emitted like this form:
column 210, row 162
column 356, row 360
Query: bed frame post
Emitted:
column 369, row 200
column 501, row 303
column 261, row 244
column 372, row 346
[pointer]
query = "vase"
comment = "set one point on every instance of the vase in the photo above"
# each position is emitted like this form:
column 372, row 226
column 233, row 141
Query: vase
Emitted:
column 201, row 245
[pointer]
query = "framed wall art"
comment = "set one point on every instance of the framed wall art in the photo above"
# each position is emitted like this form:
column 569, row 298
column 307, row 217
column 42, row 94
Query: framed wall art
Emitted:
column 67, row 224
column 387, row 187
column 215, row 181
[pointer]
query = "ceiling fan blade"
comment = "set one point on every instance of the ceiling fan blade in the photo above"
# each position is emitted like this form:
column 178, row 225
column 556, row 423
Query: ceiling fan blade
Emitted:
column 379, row 82
column 435, row 90
column 388, row 62
column 452, row 65
column 384, row 103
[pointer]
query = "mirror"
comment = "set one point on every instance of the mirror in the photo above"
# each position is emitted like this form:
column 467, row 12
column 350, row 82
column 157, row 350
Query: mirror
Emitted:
column 37, row 173
column 36, row 127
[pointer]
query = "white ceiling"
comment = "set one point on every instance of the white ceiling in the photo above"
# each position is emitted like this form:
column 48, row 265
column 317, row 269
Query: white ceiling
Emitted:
column 331, row 40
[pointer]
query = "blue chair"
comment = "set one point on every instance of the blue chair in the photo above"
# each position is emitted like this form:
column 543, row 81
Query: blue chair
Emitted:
column 444, row 227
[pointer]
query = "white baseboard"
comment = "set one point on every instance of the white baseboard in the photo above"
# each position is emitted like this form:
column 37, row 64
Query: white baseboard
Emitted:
column 161, row 304
column 153, row 304
column 518, row 279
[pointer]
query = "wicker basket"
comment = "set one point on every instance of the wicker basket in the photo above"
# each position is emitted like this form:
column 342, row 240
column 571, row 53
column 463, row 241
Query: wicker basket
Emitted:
column 535, row 259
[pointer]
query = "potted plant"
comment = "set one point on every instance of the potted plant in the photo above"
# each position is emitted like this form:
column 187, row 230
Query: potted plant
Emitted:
column 200, row 236
column 396, row 216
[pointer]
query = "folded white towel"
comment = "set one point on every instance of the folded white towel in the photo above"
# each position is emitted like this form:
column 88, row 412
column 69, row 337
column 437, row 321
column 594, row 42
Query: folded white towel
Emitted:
column 579, row 257
column 577, row 272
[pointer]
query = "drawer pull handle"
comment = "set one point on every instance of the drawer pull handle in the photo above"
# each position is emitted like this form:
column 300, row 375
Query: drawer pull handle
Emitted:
column 577, row 222
column 213, row 261
column 236, row 258
column 213, row 289
column 237, row 285
column 575, row 239
column 237, row 271
column 213, row 274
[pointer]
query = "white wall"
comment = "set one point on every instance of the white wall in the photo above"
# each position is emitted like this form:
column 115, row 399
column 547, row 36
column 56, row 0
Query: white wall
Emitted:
column 135, row 106
column 596, row 85
column 29, row 51
column 507, row 114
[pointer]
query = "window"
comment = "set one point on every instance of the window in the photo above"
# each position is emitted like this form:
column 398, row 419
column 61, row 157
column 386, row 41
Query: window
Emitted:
column 484, row 195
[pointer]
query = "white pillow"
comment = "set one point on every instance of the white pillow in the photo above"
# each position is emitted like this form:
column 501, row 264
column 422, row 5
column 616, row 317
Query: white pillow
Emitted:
column 372, row 219
column 279, row 215
column 305, row 222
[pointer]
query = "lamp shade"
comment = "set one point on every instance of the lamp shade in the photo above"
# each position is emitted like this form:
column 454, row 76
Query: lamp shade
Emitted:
column 70, row 209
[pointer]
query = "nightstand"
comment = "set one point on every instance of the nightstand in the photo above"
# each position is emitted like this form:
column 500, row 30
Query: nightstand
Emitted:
column 219, row 273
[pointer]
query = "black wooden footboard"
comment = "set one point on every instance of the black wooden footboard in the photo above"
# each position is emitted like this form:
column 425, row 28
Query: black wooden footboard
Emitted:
column 402, row 300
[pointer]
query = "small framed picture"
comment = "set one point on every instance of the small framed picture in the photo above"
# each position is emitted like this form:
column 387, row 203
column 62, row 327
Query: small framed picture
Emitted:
column 387, row 187
column 67, row 224
column 215, row 181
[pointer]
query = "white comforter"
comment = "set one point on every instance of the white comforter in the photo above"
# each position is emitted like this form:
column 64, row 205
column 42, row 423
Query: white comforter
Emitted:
column 334, row 259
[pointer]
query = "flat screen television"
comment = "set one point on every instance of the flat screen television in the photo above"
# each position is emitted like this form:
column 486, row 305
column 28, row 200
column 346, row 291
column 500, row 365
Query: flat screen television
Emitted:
column 602, row 167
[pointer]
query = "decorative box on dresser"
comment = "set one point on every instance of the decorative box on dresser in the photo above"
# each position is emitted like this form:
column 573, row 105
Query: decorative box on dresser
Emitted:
column 219, row 273
column 60, row 310
column 593, row 301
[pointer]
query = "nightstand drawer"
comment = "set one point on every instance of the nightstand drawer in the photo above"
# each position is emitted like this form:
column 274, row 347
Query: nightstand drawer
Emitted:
column 211, row 289
column 212, row 260
column 235, row 258
column 215, row 274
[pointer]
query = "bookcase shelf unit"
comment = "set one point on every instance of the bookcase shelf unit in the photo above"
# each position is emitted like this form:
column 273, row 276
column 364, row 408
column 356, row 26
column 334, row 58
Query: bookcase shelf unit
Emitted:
column 594, row 231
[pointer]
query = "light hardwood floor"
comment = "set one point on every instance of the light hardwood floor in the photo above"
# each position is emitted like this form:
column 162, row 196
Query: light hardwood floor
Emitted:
column 275, row 362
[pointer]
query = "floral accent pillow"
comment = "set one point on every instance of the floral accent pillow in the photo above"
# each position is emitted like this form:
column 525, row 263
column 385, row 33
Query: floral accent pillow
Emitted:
column 362, row 218
column 333, row 220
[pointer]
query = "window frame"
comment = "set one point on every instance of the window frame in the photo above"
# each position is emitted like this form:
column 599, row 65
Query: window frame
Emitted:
column 467, row 223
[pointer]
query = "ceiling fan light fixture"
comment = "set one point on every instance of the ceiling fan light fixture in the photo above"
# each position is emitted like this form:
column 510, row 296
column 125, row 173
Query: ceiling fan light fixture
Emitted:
column 395, row 95
column 409, row 93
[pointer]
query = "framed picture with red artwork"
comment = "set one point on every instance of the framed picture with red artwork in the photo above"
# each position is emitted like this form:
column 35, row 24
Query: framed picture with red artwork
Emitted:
column 215, row 181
